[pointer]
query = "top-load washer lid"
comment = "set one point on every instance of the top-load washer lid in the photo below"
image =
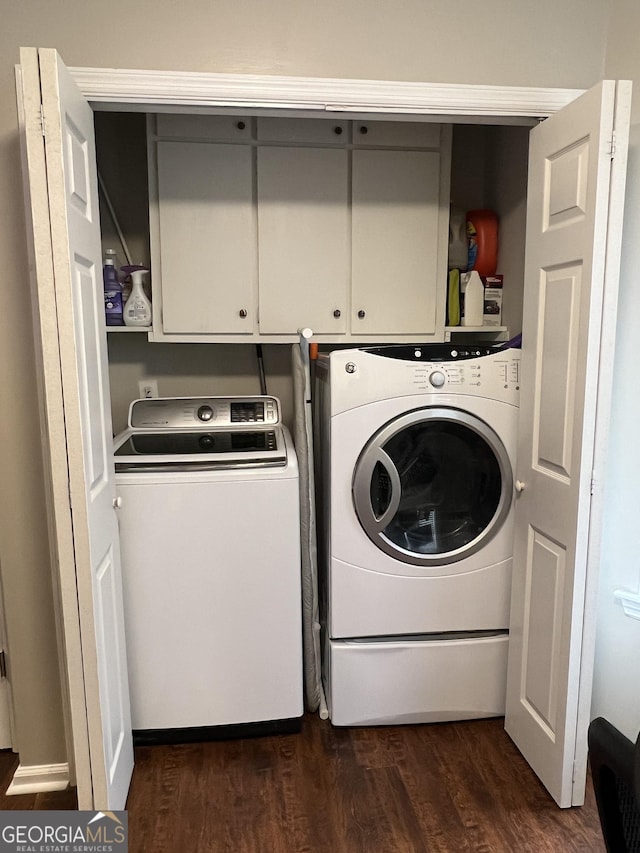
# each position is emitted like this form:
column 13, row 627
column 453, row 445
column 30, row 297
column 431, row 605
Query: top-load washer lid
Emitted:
column 201, row 433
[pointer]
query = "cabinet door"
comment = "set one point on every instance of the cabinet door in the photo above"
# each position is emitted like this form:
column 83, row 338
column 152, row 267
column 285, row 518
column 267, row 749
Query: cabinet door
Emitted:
column 303, row 239
column 207, row 237
column 395, row 239
column 302, row 130
column 205, row 128
column 396, row 134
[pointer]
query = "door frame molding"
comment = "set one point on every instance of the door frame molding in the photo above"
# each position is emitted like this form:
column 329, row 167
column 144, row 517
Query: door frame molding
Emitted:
column 186, row 92
column 109, row 88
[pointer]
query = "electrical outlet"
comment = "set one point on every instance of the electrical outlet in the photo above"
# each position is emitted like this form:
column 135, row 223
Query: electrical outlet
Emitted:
column 148, row 387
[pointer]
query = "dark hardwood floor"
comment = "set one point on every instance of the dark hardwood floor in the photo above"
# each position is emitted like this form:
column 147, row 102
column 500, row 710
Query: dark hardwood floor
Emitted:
column 452, row 787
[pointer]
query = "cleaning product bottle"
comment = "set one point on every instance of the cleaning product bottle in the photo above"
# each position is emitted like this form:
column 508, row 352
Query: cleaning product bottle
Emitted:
column 453, row 298
column 458, row 242
column 482, row 234
column 112, row 290
column 137, row 309
column 472, row 298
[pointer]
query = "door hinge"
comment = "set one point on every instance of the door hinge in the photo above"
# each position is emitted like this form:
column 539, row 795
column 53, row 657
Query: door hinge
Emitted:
column 3, row 664
column 42, row 119
column 612, row 145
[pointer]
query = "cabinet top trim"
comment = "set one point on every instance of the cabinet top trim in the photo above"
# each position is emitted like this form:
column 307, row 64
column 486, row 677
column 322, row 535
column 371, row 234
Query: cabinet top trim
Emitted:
column 113, row 86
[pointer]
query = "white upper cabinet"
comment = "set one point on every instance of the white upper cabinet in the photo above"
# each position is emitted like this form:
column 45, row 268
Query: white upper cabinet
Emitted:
column 293, row 131
column 261, row 227
column 395, row 242
column 207, row 238
column 303, row 247
column 209, row 128
column 396, row 134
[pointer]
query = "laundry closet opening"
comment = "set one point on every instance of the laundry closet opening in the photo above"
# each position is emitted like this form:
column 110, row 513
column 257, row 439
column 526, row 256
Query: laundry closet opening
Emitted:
column 253, row 227
column 366, row 255
column 488, row 169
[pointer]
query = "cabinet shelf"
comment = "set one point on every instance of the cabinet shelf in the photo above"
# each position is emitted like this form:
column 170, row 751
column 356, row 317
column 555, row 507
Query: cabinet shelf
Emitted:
column 467, row 329
column 498, row 332
column 128, row 329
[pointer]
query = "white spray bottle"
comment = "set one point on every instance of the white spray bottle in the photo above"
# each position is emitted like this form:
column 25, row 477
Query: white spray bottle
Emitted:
column 472, row 291
column 137, row 308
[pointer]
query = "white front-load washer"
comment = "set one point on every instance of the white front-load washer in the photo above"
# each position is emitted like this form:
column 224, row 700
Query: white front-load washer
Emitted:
column 418, row 451
column 210, row 542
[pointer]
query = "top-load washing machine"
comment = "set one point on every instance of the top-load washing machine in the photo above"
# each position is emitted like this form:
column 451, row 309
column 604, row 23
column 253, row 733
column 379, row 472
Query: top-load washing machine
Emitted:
column 210, row 540
column 417, row 489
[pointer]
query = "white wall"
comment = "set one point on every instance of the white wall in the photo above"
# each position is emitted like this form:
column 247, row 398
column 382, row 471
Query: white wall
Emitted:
column 192, row 370
column 503, row 42
column 616, row 689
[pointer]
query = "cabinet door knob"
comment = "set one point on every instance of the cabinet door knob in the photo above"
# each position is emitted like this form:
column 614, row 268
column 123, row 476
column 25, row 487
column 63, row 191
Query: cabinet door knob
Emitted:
column 337, row 130
column 337, row 313
column 241, row 125
column 243, row 313
column 520, row 486
column 361, row 314
column 117, row 502
column 364, row 129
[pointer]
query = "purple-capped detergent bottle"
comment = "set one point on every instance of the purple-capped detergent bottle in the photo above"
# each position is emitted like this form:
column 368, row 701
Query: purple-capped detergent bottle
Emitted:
column 112, row 290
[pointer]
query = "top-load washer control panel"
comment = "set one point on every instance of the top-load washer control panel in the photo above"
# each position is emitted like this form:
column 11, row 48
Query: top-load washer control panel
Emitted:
column 195, row 412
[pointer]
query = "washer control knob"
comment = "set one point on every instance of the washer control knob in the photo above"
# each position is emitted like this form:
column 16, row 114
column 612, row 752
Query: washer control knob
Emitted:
column 206, row 442
column 437, row 379
column 205, row 413
column 350, row 367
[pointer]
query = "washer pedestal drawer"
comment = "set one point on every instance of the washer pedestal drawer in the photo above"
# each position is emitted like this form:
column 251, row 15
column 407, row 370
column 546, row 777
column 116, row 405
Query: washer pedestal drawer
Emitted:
column 421, row 680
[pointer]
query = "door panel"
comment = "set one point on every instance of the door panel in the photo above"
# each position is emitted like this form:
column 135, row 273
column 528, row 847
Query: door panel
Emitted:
column 566, row 185
column 558, row 340
column 542, row 627
column 67, row 246
column 89, row 314
column 569, row 202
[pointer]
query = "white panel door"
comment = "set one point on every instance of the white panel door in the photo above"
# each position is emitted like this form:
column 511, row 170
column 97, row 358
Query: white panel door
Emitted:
column 570, row 286
column 67, row 244
column 303, row 228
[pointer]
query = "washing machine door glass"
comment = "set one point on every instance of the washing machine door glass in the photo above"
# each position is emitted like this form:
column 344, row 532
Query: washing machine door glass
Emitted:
column 433, row 486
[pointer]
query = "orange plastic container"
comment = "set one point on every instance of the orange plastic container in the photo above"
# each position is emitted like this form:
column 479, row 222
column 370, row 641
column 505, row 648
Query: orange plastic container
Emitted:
column 482, row 234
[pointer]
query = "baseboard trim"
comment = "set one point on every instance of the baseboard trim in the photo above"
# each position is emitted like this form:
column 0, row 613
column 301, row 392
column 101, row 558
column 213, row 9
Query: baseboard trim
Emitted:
column 39, row 778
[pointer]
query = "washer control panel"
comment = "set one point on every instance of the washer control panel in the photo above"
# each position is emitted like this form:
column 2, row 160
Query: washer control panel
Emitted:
column 212, row 412
column 470, row 368
column 489, row 372
column 359, row 377
column 432, row 352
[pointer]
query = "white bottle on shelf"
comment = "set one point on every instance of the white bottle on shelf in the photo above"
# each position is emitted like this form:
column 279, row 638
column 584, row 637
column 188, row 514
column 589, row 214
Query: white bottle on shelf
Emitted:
column 137, row 308
column 472, row 298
